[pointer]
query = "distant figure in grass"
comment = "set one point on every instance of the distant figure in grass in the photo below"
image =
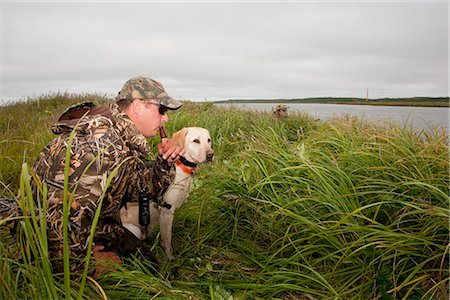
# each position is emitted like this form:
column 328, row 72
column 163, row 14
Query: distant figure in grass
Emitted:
column 280, row 111
column 108, row 139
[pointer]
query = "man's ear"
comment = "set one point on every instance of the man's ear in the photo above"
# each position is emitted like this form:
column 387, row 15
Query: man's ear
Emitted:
column 137, row 107
column 179, row 137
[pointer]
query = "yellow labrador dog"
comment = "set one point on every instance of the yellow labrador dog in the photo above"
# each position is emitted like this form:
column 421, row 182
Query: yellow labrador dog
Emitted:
column 197, row 143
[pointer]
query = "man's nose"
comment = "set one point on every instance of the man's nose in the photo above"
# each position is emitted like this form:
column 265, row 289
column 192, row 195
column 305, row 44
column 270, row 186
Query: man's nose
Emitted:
column 164, row 118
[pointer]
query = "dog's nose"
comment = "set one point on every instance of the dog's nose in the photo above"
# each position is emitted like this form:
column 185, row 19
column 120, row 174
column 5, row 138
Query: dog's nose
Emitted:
column 209, row 155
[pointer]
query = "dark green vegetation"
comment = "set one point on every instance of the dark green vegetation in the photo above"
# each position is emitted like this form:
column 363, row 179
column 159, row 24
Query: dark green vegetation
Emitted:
column 291, row 209
column 415, row 101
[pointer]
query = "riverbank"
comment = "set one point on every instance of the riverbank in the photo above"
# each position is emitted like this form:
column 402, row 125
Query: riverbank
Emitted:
column 416, row 101
column 417, row 117
column 292, row 208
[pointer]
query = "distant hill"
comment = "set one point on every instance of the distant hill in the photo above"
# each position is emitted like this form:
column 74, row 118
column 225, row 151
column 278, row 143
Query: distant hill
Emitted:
column 415, row 101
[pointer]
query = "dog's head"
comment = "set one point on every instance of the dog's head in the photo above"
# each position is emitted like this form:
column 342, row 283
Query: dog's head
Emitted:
column 197, row 143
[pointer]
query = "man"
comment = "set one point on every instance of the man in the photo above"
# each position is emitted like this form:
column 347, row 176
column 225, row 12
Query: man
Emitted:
column 110, row 143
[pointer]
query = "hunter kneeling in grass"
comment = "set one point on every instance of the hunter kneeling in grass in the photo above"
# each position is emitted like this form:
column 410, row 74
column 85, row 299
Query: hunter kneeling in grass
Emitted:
column 108, row 145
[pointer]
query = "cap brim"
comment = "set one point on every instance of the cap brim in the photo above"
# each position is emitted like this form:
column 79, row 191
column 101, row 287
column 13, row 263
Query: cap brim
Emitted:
column 171, row 104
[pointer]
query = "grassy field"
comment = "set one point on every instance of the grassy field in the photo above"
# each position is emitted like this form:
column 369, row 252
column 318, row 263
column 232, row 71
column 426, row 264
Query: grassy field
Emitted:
column 291, row 209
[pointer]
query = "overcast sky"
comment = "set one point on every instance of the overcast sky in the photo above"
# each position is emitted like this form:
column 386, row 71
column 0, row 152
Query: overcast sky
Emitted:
column 222, row 50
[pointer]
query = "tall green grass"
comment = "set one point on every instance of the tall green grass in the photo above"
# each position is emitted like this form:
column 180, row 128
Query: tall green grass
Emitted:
column 291, row 209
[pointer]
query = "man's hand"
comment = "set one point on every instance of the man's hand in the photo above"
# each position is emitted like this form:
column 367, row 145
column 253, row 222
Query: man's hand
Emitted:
column 169, row 150
column 104, row 255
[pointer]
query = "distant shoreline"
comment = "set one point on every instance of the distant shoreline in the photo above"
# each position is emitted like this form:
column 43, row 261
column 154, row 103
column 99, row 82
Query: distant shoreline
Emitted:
column 416, row 101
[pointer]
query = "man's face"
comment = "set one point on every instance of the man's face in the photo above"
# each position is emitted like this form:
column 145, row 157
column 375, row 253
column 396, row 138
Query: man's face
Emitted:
column 150, row 118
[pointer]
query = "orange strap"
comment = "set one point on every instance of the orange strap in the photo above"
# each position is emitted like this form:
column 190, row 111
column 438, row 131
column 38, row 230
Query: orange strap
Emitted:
column 185, row 169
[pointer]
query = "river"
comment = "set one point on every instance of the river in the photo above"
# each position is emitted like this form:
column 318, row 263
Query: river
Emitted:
column 421, row 118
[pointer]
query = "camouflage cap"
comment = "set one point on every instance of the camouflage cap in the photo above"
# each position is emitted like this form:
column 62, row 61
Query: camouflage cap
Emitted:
column 147, row 89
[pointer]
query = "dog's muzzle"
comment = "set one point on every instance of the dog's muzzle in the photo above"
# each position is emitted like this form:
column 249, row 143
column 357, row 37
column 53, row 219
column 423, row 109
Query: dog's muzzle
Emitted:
column 209, row 156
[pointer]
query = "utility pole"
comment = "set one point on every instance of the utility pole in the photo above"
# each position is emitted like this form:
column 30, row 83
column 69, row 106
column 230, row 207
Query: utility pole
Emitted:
column 367, row 95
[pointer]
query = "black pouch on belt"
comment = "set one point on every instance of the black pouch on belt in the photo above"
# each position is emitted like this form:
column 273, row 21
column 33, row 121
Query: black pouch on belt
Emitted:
column 144, row 209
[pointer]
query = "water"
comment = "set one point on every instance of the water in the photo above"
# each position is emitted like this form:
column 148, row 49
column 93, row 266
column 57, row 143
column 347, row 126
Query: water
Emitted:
column 421, row 118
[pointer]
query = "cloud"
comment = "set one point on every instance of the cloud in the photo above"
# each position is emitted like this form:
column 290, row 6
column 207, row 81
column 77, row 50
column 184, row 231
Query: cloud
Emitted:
column 227, row 50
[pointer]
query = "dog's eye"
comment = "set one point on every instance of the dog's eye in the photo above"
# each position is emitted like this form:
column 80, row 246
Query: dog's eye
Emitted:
column 197, row 141
column 209, row 140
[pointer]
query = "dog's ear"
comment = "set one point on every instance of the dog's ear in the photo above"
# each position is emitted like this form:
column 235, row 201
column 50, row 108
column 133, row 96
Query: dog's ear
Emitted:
column 179, row 137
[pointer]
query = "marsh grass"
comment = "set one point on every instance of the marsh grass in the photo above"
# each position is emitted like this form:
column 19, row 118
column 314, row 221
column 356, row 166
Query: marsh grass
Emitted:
column 291, row 209
column 25, row 264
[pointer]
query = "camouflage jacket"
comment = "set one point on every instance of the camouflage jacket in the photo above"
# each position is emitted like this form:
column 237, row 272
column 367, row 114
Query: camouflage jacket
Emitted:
column 105, row 140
